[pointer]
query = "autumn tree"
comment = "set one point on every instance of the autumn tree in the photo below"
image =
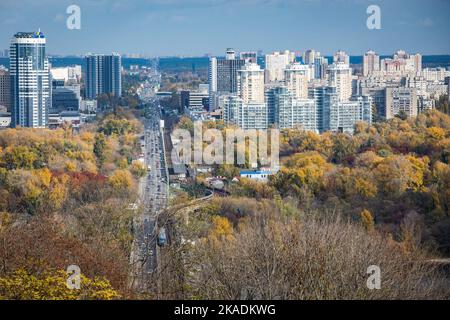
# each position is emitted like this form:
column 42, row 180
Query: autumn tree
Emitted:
column 51, row 285
column 274, row 257
column 367, row 220
column 99, row 148
column 302, row 170
column 121, row 181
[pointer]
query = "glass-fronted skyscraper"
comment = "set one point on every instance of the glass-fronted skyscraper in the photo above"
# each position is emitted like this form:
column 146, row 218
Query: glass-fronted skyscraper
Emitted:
column 227, row 71
column 30, row 80
column 103, row 75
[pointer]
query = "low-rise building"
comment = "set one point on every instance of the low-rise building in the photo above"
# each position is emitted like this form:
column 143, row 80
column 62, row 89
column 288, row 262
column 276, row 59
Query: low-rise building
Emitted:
column 259, row 175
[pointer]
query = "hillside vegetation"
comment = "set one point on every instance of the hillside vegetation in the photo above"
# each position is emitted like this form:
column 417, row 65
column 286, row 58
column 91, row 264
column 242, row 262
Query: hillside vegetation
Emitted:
column 64, row 200
column 396, row 172
column 340, row 204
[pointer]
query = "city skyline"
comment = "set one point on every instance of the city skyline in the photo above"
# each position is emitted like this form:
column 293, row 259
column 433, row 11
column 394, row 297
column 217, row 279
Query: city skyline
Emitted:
column 196, row 27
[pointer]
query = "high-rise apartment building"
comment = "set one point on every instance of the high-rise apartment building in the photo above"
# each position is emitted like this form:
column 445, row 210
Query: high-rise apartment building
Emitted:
column 402, row 63
column 276, row 97
column 301, row 113
column 251, row 83
column 253, row 116
column 330, row 102
column 5, row 90
column 246, row 116
column 30, row 80
column 401, row 100
column 286, row 111
column 345, row 114
column 230, row 54
column 332, row 114
column 341, row 57
column 318, row 95
column 309, row 56
column 378, row 95
column 103, row 75
column 230, row 108
column 247, row 108
column 371, row 63
column 296, row 79
column 320, row 67
column 227, row 70
column 276, row 63
column 212, row 81
column 249, row 57
column 417, row 62
column 340, row 77
column 212, row 74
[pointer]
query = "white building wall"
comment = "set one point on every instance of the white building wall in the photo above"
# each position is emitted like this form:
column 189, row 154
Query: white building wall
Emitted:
column 296, row 78
column 276, row 63
column 251, row 83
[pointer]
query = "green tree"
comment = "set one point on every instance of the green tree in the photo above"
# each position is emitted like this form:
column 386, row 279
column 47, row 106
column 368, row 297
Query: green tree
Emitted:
column 99, row 148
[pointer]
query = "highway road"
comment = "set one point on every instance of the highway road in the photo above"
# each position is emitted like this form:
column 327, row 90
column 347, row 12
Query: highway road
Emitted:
column 153, row 191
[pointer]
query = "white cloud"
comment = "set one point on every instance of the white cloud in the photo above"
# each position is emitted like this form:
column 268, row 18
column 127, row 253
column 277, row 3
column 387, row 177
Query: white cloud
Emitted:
column 427, row 22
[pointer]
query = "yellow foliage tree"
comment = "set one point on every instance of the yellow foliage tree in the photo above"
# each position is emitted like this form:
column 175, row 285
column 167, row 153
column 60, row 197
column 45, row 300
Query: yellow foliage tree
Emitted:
column 302, row 170
column 397, row 174
column 221, row 227
column 138, row 169
column 44, row 176
column 58, row 192
column 122, row 163
column 51, row 285
column 436, row 133
column 367, row 220
column 121, row 180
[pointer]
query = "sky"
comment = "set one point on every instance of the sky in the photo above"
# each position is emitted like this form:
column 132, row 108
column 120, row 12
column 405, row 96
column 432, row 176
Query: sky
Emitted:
column 197, row 27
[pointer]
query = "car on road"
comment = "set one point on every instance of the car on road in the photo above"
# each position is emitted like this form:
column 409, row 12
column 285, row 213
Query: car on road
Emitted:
column 162, row 237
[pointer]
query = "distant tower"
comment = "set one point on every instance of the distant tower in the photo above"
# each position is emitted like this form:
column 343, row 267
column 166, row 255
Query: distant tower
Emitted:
column 251, row 84
column 30, row 80
column 5, row 90
column 103, row 75
column 231, row 54
column 371, row 62
column 340, row 77
column 276, row 63
column 308, row 56
column 212, row 78
column 227, row 72
column 341, row 57
column 296, row 77
column 249, row 57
